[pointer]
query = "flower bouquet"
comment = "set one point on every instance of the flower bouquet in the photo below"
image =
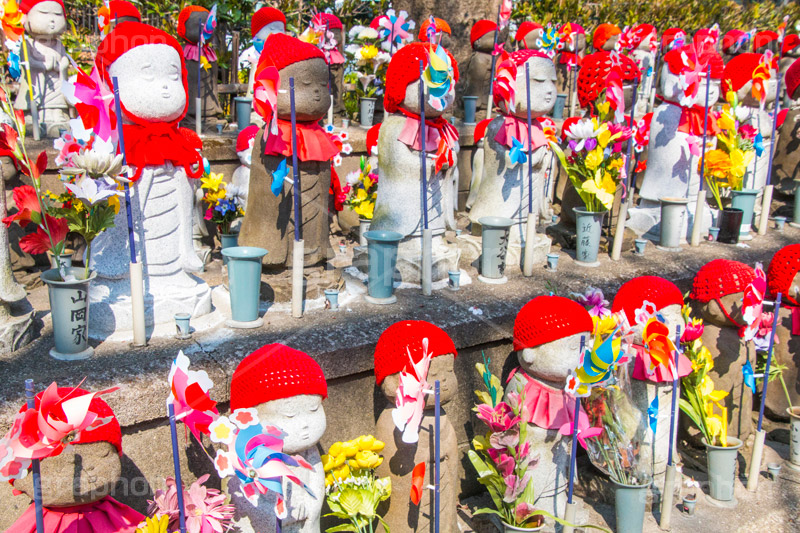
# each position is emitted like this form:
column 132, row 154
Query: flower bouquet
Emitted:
column 362, row 190
column 726, row 165
column 352, row 489
column 205, row 509
column 223, row 201
column 366, row 67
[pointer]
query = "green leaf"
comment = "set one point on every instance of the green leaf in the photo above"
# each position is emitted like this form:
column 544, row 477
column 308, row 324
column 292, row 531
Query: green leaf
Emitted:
column 351, row 501
column 341, row 527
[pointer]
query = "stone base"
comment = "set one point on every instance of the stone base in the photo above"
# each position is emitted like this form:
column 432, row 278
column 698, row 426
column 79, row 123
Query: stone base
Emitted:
column 588, row 265
column 493, row 281
column 731, row 504
column 111, row 310
column 409, row 259
column 666, row 249
column 380, row 301
column 793, row 466
column 470, row 248
column 15, row 332
column 86, row 354
column 253, row 324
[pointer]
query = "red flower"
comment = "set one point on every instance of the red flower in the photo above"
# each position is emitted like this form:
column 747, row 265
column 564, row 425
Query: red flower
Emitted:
column 39, row 242
column 27, row 207
column 641, row 167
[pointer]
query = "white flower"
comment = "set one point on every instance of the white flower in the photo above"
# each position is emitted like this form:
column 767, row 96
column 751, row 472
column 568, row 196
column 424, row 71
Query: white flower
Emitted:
column 91, row 191
column 244, row 418
column 352, row 49
column 352, row 177
column 354, row 31
column 367, row 33
column 337, row 4
column 581, row 131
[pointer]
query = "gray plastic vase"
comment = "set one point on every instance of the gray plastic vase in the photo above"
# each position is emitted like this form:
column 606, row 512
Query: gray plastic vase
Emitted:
column 746, row 201
column 470, row 108
column 244, row 281
column 589, row 227
column 244, row 106
column 228, row 240
column 629, row 505
column 69, row 309
column 382, row 254
column 721, row 463
column 494, row 246
column 673, row 212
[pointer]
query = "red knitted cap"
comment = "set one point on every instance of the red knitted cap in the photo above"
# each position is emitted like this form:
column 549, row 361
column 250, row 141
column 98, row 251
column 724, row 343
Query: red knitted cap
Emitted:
column 716, row 62
column 669, row 36
column 594, row 71
column 525, row 28
column 109, row 432
column 481, row 28
column 730, row 39
column 274, row 372
column 245, row 136
column 719, row 278
column 658, row 291
column 674, row 58
column 793, row 78
column 603, row 33
column 739, row 71
column 763, row 38
column 183, row 18
column 549, row 318
column 403, row 70
column 334, row 23
column 394, row 344
column 281, row 50
column 790, row 42
column 704, row 41
column 264, row 16
column 26, row 5
column 122, row 8
column 782, row 269
column 438, row 24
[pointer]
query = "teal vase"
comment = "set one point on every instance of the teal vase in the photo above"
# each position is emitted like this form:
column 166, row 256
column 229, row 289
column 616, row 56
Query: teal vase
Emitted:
column 244, row 284
column 494, row 247
column 629, row 506
column 69, row 309
column 746, row 201
column 721, row 463
column 382, row 254
column 589, row 228
column 244, row 107
column 228, row 240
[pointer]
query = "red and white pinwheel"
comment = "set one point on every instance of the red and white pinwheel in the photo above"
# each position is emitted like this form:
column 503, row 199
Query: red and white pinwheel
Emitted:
column 753, row 305
column 266, row 84
column 410, row 397
column 189, row 394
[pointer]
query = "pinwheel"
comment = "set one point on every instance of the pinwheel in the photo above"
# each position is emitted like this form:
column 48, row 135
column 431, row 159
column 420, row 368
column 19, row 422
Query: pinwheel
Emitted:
column 12, row 20
column 753, row 304
column 279, row 176
column 93, row 101
column 394, row 28
column 189, row 393
column 748, row 376
column 417, row 482
column 641, row 133
column 410, row 397
column 516, row 154
column 614, row 92
column 652, row 414
column 266, row 84
column 438, row 77
column 504, row 15
column 549, row 42
column 505, row 81
column 210, row 25
column 597, row 364
column 659, row 345
column 254, row 455
column 761, row 75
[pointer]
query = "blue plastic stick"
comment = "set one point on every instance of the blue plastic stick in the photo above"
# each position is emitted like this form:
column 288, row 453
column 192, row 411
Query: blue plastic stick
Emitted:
column 675, row 393
column 118, row 111
column 775, row 312
column 295, row 168
column 530, row 143
column 774, row 129
column 177, row 463
column 705, row 130
column 630, row 141
column 574, row 449
column 423, row 156
column 30, row 396
column 437, row 450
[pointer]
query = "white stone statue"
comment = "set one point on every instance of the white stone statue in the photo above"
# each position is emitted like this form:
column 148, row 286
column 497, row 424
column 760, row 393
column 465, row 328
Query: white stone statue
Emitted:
column 504, row 190
column 153, row 96
column 669, row 161
column 399, row 144
column 244, row 151
column 286, row 387
column 547, row 339
column 44, row 22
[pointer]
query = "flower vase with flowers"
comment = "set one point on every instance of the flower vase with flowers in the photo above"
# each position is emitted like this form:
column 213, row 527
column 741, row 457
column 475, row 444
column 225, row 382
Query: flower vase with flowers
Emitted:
column 222, row 201
column 361, row 190
column 366, row 62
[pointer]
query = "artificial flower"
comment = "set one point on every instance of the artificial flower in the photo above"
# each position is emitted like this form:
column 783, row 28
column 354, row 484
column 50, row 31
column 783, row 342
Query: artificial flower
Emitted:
column 40, row 242
column 499, row 418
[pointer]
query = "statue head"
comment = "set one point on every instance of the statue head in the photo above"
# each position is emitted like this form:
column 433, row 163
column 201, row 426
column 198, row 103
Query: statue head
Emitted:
column 594, row 72
column 605, row 37
column 527, row 35
column 244, row 144
column 791, row 46
column 286, row 387
column 765, row 40
column 718, row 288
column 44, row 18
column 577, row 41
column 88, row 469
column 542, row 83
column 407, row 339
column 148, row 64
column 792, row 78
column 190, row 20
column 670, row 39
column 679, row 64
column 117, row 12
column 402, row 81
column 783, row 275
column 738, row 77
column 265, row 22
column 714, row 60
column 306, row 64
column 665, row 297
column 736, row 42
column 441, row 31
column 482, row 36
column 335, row 26
column 547, row 336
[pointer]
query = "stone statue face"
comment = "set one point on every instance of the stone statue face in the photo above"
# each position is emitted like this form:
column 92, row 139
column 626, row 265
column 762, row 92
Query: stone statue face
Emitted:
column 794, row 288
column 530, row 39
column 712, row 313
column 578, row 43
column 543, row 88
column 46, row 19
column 555, row 360
column 311, row 98
column 745, row 94
column 269, row 29
column 245, row 156
column 611, row 42
column 81, row 474
column 713, row 92
column 645, row 44
column 486, row 43
column 151, row 82
column 670, row 87
column 672, row 314
column 411, row 102
column 441, row 369
column 301, row 417
column 193, row 24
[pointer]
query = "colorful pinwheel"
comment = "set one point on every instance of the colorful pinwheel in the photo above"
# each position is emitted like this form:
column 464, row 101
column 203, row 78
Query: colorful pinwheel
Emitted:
column 189, row 393
column 549, row 42
column 94, row 102
column 279, row 176
column 753, row 304
column 266, row 84
column 12, row 20
column 210, row 25
column 505, row 81
column 516, row 155
column 598, row 363
column 410, row 397
column 659, row 345
column 504, row 17
column 394, row 28
column 761, row 75
column 438, row 77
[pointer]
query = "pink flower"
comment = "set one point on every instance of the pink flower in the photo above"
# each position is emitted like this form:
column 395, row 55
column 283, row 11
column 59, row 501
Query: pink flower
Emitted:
column 748, row 132
column 515, row 486
column 209, row 214
column 504, row 440
column 504, row 462
column 523, row 512
column 693, row 331
column 498, row 418
column 206, row 511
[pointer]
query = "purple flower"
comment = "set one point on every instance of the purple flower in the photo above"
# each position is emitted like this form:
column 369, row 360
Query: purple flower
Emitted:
column 572, row 145
column 591, row 144
column 594, row 301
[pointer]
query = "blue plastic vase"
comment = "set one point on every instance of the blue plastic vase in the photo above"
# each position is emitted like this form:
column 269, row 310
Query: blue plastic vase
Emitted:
column 244, row 281
column 382, row 253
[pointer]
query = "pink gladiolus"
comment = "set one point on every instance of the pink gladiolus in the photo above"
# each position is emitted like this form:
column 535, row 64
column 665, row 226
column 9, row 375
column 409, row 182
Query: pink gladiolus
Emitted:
column 498, row 418
column 209, row 214
column 693, row 331
column 515, row 486
column 748, row 132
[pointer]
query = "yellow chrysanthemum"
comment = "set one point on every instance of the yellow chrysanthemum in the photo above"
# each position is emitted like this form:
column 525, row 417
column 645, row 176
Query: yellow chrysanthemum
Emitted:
column 594, row 158
column 369, row 51
column 212, row 182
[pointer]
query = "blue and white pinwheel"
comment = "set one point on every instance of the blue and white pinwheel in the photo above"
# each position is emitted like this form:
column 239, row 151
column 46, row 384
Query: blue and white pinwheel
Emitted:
column 210, row 25
column 438, row 77
column 278, row 177
column 516, row 155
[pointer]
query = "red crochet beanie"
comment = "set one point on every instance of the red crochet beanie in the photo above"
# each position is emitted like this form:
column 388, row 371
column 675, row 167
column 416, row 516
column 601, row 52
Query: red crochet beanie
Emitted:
column 739, row 71
column 674, row 58
column 109, row 432
column 719, row 278
column 793, row 78
column 763, row 38
column 549, row 318
column 730, row 39
column 403, row 70
column 334, row 23
column 183, row 18
column 274, row 372
column 395, row 343
column 704, row 41
column 245, row 136
column 264, row 16
column 782, row 269
column 438, row 24
column 281, row 50
column 481, row 28
column 525, row 28
column 594, row 71
column 716, row 62
column 603, row 33
column 790, row 42
column 26, row 5
column 669, row 36
column 656, row 290
column 121, row 8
